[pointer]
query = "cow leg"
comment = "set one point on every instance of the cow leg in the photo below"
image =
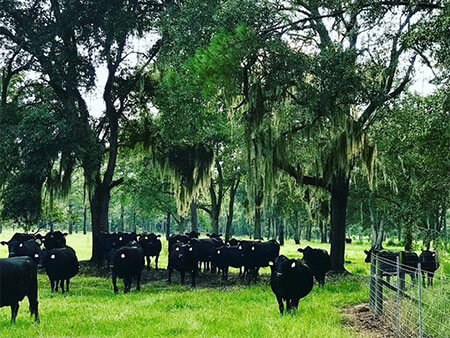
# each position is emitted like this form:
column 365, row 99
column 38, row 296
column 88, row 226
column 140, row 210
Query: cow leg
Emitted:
column 280, row 304
column 193, row 277
column 33, row 301
column 14, row 310
column 288, row 304
column 52, row 284
column 430, row 278
column 169, row 279
column 138, row 282
column 148, row 262
column 114, row 281
column 56, row 285
column 294, row 303
column 61, row 283
column 423, row 278
column 156, row 262
column 67, row 285
column 182, row 274
column 240, row 270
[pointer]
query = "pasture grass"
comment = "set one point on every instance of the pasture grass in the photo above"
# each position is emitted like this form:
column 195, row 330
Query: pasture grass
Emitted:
column 211, row 309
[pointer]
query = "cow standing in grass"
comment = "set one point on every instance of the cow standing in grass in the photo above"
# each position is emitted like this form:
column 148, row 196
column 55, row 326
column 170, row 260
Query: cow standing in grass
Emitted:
column 290, row 281
column 151, row 246
column 183, row 258
column 428, row 265
column 318, row 260
column 258, row 255
column 18, row 278
column 228, row 256
column 128, row 263
column 61, row 264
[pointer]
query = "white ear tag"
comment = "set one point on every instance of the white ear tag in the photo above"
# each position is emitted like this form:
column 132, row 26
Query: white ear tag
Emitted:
column 146, row 237
column 240, row 247
column 52, row 256
column 253, row 248
column 20, row 245
column 177, row 249
column 190, row 249
column 270, row 263
column 120, row 238
column 218, row 251
column 36, row 255
column 293, row 265
column 122, row 256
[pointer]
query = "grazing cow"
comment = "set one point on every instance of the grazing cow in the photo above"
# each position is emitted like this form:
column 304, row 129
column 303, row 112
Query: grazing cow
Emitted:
column 18, row 278
column 290, row 281
column 128, row 263
column 192, row 234
column 15, row 240
column 257, row 255
column 348, row 240
column 151, row 246
column 60, row 264
column 318, row 260
column 175, row 238
column 428, row 265
column 388, row 262
column 28, row 248
column 183, row 258
column 54, row 239
column 227, row 256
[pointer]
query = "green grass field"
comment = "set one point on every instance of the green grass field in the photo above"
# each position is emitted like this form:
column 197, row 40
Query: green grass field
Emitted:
column 211, row 309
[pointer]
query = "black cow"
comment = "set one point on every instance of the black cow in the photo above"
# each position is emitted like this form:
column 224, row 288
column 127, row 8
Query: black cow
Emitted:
column 28, row 248
column 232, row 242
column 60, row 264
column 128, row 263
column 257, row 255
column 15, row 240
column 388, row 262
column 318, row 260
column 151, row 246
column 18, row 278
column 192, row 234
column 214, row 235
column 183, row 258
column 428, row 265
column 205, row 248
column 123, row 239
column 227, row 256
column 348, row 240
column 105, row 242
column 53, row 239
column 290, row 281
column 177, row 238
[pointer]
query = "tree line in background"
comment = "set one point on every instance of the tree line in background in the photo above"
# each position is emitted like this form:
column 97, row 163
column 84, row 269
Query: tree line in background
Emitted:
column 263, row 118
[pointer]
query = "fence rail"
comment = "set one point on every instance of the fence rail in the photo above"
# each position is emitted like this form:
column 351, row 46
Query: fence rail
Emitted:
column 400, row 297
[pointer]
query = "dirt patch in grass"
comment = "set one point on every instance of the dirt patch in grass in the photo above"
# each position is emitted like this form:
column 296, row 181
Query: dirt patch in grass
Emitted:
column 365, row 323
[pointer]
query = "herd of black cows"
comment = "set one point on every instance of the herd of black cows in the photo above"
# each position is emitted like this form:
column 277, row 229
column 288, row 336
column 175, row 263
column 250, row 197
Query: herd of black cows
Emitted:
column 126, row 253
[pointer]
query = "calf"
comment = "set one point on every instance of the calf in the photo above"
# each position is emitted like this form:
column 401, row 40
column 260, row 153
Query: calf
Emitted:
column 183, row 258
column 18, row 278
column 28, row 248
column 151, row 246
column 318, row 260
column 128, row 263
column 227, row 256
column 290, row 281
column 60, row 264
column 54, row 239
column 428, row 265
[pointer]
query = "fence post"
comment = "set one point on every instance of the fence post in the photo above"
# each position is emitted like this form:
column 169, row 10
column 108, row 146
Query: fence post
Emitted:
column 378, row 288
column 372, row 293
column 397, row 302
column 402, row 272
column 419, row 296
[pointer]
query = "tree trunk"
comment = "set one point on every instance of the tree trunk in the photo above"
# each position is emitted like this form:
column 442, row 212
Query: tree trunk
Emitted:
column 122, row 224
column 70, row 220
column 168, row 226
column 308, row 231
column 194, row 216
column 296, row 229
column 269, row 225
column 323, row 232
column 257, row 225
column 134, row 221
column 230, row 214
column 281, row 231
column 339, row 197
column 99, row 216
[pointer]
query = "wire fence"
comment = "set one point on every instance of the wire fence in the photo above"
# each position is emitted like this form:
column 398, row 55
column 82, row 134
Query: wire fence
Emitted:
column 408, row 301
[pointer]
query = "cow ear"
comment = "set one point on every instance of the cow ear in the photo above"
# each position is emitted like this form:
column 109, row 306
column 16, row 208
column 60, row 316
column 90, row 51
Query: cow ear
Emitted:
column 65, row 234
column 208, row 234
column 219, row 235
column 366, row 252
column 4, row 243
column 158, row 235
column 270, row 263
column 186, row 233
column 300, row 250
